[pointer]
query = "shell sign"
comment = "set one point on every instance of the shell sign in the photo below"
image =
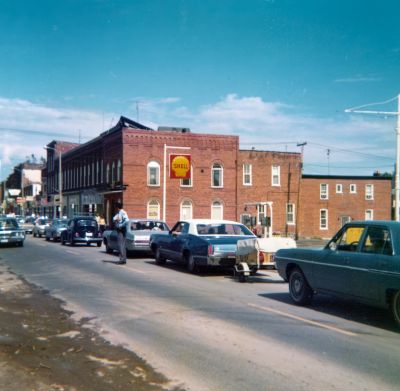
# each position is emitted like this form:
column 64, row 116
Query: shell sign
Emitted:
column 179, row 166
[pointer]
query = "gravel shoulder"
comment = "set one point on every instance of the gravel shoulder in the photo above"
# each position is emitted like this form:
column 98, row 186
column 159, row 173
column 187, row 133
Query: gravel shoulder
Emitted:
column 42, row 348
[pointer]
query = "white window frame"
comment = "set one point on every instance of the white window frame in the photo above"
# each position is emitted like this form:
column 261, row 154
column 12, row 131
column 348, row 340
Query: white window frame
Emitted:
column 217, row 168
column 153, row 165
column 247, row 174
column 324, row 195
column 369, row 192
column 369, row 214
column 217, row 210
column 119, row 170
column 153, row 206
column 353, row 188
column 186, row 210
column 276, row 175
column 323, row 227
column 339, row 188
column 189, row 180
column 290, row 215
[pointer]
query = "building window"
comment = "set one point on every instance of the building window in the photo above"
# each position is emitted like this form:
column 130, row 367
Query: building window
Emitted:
column 217, row 210
column 369, row 192
column 323, row 219
column 119, row 170
column 247, row 177
column 188, row 182
column 113, row 172
column 290, row 219
column 153, row 174
column 323, row 191
column 153, row 209
column 186, row 210
column 339, row 188
column 276, row 175
column 369, row 214
column 353, row 188
column 108, row 173
column 217, row 175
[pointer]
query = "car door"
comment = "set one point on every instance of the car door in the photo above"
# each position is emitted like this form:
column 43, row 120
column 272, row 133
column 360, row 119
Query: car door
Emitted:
column 331, row 270
column 372, row 265
column 179, row 237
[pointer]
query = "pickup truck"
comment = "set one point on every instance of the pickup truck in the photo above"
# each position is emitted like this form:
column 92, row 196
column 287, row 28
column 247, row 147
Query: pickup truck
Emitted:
column 138, row 235
column 200, row 242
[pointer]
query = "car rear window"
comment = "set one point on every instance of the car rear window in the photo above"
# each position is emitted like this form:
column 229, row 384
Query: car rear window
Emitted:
column 223, row 229
column 86, row 223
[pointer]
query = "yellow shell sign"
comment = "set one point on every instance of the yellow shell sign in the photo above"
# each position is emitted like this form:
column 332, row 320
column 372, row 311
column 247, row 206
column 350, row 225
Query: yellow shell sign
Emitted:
column 179, row 166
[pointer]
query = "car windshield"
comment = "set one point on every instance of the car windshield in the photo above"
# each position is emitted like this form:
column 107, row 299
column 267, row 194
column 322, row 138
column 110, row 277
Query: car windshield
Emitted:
column 146, row 225
column 86, row 223
column 8, row 224
column 223, row 229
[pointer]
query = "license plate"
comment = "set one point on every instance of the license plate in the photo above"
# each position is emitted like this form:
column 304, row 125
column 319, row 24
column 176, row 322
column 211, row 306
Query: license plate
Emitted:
column 4, row 241
column 89, row 234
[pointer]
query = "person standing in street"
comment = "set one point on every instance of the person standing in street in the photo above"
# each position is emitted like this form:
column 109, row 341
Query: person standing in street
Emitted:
column 121, row 221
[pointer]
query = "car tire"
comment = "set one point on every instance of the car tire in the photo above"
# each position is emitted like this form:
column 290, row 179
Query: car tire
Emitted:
column 299, row 290
column 88, row 244
column 395, row 307
column 158, row 258
column 191, row 264
column 40, row 235
column 47, row 238
column 99, row 244
column 109, row 250
column 34, row 235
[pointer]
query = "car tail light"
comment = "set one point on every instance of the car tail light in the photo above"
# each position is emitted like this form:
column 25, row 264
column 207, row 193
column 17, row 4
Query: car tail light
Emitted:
column 210, row 249
column 260, row 257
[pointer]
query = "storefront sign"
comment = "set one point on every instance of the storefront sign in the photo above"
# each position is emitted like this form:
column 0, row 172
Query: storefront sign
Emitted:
column 179, row 166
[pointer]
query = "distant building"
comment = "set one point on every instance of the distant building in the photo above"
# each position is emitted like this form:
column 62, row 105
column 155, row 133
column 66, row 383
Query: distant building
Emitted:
column 328, row 202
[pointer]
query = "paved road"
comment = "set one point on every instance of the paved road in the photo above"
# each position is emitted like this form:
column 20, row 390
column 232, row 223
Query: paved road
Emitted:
column 210, row 332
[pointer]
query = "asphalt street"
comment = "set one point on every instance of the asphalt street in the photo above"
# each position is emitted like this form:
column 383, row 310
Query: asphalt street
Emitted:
column 210, row 332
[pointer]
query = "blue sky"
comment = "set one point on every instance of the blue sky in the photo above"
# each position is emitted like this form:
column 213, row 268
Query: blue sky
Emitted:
column 274, row 72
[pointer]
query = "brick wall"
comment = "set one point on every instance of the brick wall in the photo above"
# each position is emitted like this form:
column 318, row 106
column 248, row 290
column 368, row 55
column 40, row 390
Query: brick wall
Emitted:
column 262, row 189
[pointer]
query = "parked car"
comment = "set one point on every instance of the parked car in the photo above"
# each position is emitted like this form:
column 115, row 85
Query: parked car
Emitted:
column 40, row 225
column 138, row 234
column 83, row 230
column 55, row 228
column 11, row 232
column 28, row 225
column 361, row 262
column 198, row 242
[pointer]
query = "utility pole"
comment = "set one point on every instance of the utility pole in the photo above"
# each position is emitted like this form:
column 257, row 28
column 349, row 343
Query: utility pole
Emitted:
column 302, row 145
column 389, row 113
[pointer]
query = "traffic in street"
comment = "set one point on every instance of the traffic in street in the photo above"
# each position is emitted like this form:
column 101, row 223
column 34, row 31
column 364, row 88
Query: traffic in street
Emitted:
column 207, row 331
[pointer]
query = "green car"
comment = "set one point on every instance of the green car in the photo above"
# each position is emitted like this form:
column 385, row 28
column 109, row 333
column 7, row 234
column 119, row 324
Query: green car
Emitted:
column 361, row 262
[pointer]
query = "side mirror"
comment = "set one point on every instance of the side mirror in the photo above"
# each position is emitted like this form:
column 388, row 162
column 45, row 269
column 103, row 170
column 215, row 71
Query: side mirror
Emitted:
column 333, row 246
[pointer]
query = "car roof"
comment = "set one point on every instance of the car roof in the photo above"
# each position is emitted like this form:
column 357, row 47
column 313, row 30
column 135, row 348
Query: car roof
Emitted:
column 210, row 221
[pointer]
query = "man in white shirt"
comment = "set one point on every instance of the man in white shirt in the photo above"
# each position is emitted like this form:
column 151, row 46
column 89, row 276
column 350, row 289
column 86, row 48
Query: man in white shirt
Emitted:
column 121, row 221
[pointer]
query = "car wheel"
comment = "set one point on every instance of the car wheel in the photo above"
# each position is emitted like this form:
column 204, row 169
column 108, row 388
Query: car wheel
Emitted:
column 109, row 250
column 300, row 291
column 47, row 238
column 98, row 244
column 395, row 307
column 88, row 244
column 21, row 244
column 191, row 264
column 159, row 259
column 40, row 235
column 34, row 235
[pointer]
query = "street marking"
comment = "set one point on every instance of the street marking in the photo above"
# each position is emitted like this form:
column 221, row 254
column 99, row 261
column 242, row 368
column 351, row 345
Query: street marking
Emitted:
column 304, row 320
column 138, row 271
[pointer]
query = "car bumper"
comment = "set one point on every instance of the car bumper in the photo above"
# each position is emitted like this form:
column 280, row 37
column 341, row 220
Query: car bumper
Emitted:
column 11, row 240
column 87, row 240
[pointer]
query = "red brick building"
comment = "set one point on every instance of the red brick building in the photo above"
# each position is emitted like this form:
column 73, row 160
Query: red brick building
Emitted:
column 327, row 202
column 264, row 189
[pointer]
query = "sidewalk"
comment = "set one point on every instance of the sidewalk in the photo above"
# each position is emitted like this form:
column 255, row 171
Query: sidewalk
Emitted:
column 43, row 349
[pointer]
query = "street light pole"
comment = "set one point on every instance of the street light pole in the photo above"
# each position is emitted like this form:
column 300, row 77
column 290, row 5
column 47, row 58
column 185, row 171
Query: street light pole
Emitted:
column 397, row 114
column 165, row 177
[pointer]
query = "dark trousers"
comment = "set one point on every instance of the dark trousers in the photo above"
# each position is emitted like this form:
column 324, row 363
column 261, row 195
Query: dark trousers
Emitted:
column 122, row 247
